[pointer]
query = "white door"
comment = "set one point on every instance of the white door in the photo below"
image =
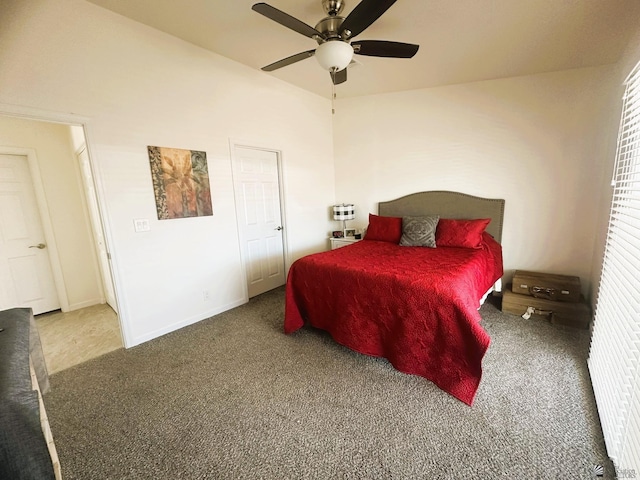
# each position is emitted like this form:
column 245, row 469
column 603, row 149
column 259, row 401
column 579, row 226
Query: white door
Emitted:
column 257, row 186
column 96, row 227
column 26, row 279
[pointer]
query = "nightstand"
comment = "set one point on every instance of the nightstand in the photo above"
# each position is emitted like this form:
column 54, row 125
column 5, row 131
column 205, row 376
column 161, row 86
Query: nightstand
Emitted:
column 342, row 242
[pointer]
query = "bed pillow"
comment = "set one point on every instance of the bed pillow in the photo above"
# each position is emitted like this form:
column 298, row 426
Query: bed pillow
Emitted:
column 461, row 233
column 419, row 231
column 384, row 229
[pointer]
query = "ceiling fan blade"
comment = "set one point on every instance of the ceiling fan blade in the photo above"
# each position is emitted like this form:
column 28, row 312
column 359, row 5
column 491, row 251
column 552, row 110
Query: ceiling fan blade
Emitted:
column 286, row 20
column 339, row 77
column 365, row 13
column 382, row 48
column 289, row 60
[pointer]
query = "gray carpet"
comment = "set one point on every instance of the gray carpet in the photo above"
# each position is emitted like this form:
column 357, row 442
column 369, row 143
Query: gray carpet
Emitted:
column 232, row 397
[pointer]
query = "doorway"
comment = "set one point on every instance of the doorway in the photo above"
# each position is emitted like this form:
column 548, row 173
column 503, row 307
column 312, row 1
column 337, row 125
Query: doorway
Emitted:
column 68, row 208
column 257, row 175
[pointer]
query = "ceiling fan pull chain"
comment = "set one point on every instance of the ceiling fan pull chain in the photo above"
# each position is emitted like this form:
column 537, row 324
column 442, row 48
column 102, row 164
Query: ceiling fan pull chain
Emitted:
column 333, row 91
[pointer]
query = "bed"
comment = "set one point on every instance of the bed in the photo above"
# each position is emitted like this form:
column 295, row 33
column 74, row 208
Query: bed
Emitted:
column 413, row 305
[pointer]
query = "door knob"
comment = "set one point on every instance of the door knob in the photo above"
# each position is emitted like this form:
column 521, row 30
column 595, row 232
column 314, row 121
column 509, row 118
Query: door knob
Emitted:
column 278, row 228
column 39, row 246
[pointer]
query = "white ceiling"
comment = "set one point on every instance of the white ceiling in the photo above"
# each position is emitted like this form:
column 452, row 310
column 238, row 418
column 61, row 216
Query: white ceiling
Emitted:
column 460, row 40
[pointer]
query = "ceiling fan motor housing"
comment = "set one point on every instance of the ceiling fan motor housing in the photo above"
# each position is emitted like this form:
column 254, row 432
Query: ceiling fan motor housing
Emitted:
column 329, row 26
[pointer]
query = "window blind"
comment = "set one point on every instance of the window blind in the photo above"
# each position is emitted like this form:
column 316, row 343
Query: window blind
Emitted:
column 614, row 357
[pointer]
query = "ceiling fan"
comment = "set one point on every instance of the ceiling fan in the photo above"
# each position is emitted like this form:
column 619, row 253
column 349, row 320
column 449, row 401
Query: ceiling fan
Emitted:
column 334, row 33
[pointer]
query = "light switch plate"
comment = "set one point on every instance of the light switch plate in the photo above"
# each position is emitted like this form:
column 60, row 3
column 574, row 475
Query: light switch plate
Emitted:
column 141, row 224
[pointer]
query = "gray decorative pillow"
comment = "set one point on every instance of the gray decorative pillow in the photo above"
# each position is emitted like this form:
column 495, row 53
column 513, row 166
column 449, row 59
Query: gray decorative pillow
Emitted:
column 419, row 231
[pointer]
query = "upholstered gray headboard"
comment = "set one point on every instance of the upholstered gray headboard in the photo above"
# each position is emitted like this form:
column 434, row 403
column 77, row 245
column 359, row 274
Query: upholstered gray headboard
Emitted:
column 448, row 205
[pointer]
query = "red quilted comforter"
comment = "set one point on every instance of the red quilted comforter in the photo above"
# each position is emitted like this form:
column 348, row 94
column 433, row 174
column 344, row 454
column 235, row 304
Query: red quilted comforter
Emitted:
column 415, row 306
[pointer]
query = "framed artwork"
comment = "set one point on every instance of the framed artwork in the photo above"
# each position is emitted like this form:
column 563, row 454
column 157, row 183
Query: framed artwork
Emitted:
column 180, row 182
column 349, row 232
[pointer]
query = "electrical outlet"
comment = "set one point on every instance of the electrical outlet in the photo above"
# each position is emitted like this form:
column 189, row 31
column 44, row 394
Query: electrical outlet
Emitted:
column 206, row 295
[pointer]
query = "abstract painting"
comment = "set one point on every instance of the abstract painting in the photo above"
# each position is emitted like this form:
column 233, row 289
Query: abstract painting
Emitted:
column 180, row 182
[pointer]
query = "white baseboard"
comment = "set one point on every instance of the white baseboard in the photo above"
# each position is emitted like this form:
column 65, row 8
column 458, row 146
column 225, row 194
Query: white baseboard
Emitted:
column 85, row 304
column 186, row 322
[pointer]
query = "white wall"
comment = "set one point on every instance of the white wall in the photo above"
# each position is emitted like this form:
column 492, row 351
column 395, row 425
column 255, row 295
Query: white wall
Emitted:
column 539, row 142
column 138, row 87
column 66, row 204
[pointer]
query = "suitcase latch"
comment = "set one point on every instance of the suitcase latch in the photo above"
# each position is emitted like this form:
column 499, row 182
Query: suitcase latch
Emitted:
column 542, row 292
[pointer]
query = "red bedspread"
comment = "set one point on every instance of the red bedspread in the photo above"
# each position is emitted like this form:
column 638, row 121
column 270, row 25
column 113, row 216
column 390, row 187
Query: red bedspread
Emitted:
column 415, row 306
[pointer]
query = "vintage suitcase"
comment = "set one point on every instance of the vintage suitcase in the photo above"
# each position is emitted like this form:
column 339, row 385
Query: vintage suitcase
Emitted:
column 560, row 288
column 562, row 313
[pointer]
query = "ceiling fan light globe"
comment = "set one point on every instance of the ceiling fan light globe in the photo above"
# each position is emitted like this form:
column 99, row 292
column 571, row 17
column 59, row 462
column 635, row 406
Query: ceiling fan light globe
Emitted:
column 334, row 55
